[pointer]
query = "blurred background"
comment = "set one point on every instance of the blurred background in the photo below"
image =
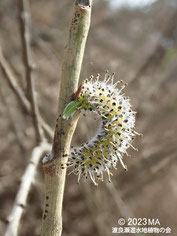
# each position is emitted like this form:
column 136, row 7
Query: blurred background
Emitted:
column 138, row 41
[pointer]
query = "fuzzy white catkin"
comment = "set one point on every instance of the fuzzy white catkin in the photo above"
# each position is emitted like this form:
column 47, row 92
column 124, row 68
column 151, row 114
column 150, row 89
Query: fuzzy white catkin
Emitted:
column 116, row 132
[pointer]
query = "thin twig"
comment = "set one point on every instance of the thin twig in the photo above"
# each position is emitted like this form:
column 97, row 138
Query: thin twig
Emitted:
column 46, row 127
column 26, row 181
column 13, row 83
column 122, row 207
column 25, row 33
column 54, row 174
column 29, row 65
column 124, row 210
column 23, row 101
column 16, row 127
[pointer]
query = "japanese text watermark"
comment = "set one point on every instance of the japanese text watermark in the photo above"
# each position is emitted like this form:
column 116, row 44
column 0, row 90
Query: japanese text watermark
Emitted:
column 139, row 226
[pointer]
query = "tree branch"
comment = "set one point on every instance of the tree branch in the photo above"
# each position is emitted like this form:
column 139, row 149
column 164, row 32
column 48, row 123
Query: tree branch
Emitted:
column 15, row 126
column 124, row 210
column 54, row 175
column 13, row 83
column 29, row 65
column 23, row 101
column 21, row 197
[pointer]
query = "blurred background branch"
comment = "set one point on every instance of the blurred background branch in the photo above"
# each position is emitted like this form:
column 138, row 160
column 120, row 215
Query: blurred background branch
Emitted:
column 25, row 22
column 25, row 104
column 8, row 74
column 26, row 181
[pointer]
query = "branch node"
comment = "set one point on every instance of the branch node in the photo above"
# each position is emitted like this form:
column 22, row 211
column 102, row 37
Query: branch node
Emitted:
column 83, row 3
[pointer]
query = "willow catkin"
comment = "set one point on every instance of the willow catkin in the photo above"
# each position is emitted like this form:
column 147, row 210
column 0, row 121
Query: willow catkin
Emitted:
column 116, row 132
